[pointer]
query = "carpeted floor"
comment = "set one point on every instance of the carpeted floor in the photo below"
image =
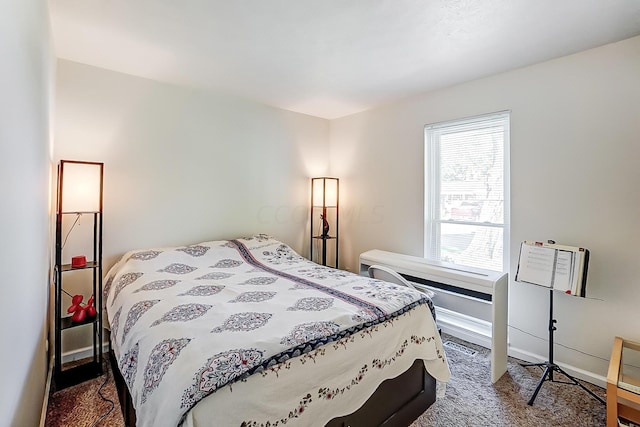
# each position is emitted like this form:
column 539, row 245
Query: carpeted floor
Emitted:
column 82, row 406
column 470, row 399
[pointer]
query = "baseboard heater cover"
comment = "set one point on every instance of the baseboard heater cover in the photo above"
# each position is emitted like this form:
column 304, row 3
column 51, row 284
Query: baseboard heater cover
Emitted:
column 471, row 303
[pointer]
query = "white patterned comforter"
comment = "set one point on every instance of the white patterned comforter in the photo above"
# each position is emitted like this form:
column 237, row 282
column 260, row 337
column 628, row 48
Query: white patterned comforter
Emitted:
column 189, row 321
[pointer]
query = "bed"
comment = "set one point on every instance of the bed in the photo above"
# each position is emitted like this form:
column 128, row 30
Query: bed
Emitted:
column 246, row 332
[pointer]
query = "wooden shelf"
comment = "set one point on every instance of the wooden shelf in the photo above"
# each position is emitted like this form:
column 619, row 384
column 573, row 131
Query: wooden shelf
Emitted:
column 68, row 267
column 66, row 322
column 79, row 213
column 77, row 374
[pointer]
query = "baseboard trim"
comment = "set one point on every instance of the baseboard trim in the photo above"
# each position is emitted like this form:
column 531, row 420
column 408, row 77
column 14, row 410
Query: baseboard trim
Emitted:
column 478, row 332
column 465, row 327
column 47, row 390
column 81, row 353
column 581, row 374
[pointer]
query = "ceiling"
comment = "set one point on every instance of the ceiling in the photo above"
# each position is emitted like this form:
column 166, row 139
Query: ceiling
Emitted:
column 330, row 58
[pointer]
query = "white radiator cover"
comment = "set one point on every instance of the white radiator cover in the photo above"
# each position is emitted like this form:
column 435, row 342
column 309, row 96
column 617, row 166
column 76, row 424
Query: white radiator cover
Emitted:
column 471, row 303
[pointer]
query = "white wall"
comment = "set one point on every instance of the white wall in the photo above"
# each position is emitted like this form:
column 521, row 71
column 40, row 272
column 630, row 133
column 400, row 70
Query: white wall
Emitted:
column 575, row 129
column 184, row 166
column 25, row 83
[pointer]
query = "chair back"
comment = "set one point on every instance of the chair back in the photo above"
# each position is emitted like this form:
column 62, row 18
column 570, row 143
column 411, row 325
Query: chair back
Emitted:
column 386, row 274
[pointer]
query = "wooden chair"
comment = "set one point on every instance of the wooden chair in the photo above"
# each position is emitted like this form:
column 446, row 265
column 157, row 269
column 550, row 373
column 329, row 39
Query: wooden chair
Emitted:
column 623, row 391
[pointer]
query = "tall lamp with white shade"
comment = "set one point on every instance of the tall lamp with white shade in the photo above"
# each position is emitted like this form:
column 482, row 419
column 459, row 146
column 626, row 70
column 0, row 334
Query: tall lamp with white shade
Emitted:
column 79, row 192
column 324, row 216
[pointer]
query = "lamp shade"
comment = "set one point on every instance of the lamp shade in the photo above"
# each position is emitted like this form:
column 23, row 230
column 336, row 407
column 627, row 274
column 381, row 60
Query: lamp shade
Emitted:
column 79, row 186
column 324, row 192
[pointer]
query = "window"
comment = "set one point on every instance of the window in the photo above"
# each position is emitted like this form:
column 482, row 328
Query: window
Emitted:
column 467, row 191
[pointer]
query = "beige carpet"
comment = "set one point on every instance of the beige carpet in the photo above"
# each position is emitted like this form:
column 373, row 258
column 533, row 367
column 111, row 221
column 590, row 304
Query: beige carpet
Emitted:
column 470, row 399
column 82, row 406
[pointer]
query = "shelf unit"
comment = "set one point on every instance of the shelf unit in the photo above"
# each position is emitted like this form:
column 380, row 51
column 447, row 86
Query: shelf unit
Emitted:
column 324, row 211
column 84, row 174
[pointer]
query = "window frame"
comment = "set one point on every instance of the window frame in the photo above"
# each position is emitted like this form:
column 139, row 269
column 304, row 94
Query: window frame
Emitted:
column 432, row 185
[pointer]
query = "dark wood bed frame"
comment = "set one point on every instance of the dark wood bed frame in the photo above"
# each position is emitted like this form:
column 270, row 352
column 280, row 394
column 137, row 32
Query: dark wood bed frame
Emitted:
column 397, row 402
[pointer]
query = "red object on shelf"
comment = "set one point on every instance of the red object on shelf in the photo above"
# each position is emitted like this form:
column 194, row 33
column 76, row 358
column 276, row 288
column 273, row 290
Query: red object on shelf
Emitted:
column 79, row 315
column 79, row 261
column 81, row 312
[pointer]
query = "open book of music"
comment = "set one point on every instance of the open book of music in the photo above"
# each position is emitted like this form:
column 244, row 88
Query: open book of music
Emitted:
column 562, row 268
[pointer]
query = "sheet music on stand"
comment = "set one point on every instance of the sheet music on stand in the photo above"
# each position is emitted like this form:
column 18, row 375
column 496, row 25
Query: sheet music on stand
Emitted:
column 559, row 267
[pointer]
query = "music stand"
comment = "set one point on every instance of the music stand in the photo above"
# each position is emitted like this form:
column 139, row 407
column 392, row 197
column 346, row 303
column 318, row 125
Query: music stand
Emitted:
column 550, row 366
column 560, row 268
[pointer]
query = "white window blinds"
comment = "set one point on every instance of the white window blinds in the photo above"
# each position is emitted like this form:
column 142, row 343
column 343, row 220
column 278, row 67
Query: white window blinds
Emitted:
column 466, row 185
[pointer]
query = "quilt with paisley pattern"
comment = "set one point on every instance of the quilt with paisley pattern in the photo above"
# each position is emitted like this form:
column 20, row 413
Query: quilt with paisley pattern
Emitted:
column 188, row 321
